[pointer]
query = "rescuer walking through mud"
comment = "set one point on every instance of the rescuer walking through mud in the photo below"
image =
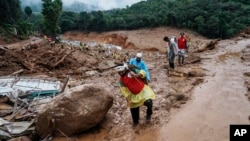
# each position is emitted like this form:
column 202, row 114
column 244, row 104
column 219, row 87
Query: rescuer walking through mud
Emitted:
column 138, row 62
column 135, row 91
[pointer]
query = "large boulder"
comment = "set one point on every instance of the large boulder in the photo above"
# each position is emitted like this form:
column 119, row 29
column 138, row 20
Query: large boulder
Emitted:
column 76, row 110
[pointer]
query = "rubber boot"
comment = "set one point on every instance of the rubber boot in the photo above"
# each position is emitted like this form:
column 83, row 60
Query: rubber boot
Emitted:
column 135, row 116
column 149, row 104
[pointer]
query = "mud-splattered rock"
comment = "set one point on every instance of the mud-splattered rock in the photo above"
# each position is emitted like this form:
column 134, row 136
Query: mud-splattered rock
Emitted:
column 77, row 110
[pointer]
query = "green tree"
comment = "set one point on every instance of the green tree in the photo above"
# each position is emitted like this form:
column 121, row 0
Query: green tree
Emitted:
column 97, row 21
column 121, row 23
column 84, row 21
column 51, row 11
column 200, row 22
column 69, row 21
column 28, row 11
column 24, row 28
column 9, row 11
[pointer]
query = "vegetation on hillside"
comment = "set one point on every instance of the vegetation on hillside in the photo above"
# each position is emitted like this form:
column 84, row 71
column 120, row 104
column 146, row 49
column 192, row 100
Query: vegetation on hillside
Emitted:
column 211, row 18
column 9, row 15
column 51, row 13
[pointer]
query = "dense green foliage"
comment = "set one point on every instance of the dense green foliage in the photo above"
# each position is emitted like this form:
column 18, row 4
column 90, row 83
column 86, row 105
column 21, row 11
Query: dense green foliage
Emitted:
column 9, row 15
column 12, row 18
column 28, row 11
column 9, row 11
column 211, row 18
column 51, row 13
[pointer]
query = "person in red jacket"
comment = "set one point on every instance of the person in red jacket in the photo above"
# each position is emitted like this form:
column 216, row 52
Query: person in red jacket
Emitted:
column 182, row 48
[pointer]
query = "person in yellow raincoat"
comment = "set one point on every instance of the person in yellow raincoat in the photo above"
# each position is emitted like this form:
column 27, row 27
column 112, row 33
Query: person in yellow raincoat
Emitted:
column 135, row 91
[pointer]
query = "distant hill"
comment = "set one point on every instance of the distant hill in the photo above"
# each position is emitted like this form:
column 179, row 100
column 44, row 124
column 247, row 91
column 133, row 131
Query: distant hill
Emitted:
column 74, row 7
column 79, row 7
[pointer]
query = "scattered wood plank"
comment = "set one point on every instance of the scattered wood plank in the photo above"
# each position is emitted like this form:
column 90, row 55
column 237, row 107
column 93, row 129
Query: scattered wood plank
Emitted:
column 16, row 72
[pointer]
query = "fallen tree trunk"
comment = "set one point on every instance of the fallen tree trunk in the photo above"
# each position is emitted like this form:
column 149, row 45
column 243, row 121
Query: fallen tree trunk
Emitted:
column 59, row 62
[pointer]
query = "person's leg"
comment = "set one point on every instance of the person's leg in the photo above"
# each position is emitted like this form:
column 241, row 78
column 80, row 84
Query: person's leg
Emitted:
column 179, row 59
column 149, row 104
column 182, row 59
column 184, row 56
column 171, row 65
column 169, row 62
column 172, row 60
column 135, row 115
column 168, row 59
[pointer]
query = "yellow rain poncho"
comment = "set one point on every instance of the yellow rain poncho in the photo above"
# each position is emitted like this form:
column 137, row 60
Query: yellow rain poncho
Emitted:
column 136, row 100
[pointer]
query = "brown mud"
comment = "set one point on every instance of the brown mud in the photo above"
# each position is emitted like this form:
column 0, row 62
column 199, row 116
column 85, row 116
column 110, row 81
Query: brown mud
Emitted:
column 193, row 102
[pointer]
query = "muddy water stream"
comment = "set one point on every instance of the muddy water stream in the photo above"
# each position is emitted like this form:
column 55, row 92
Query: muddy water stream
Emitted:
column 217, row 103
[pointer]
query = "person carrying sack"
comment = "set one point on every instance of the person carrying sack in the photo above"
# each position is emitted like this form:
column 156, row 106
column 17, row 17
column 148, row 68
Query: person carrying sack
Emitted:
column 136, row 92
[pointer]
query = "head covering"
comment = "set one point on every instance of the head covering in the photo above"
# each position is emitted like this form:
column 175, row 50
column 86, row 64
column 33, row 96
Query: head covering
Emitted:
column 139, row 55
column 121, row 68
column 172, row 40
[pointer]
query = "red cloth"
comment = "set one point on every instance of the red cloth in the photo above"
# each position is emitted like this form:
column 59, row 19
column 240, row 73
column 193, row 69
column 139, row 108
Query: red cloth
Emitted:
column 182, row 43
column 135, row 85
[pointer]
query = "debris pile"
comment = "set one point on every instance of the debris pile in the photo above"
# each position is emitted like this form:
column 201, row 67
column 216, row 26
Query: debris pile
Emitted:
column 20, row 98
column 23, row 100
column 35, row 60
column 36, row 106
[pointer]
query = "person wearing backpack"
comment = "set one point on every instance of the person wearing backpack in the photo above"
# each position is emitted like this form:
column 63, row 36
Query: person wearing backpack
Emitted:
column 136, row 92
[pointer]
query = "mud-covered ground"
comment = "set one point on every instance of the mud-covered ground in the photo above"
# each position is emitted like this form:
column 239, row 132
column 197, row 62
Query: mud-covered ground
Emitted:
column 173, row 88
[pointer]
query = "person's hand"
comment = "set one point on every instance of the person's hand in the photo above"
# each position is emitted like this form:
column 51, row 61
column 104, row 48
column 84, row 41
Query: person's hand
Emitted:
column 146, row 81
column 133, row 74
